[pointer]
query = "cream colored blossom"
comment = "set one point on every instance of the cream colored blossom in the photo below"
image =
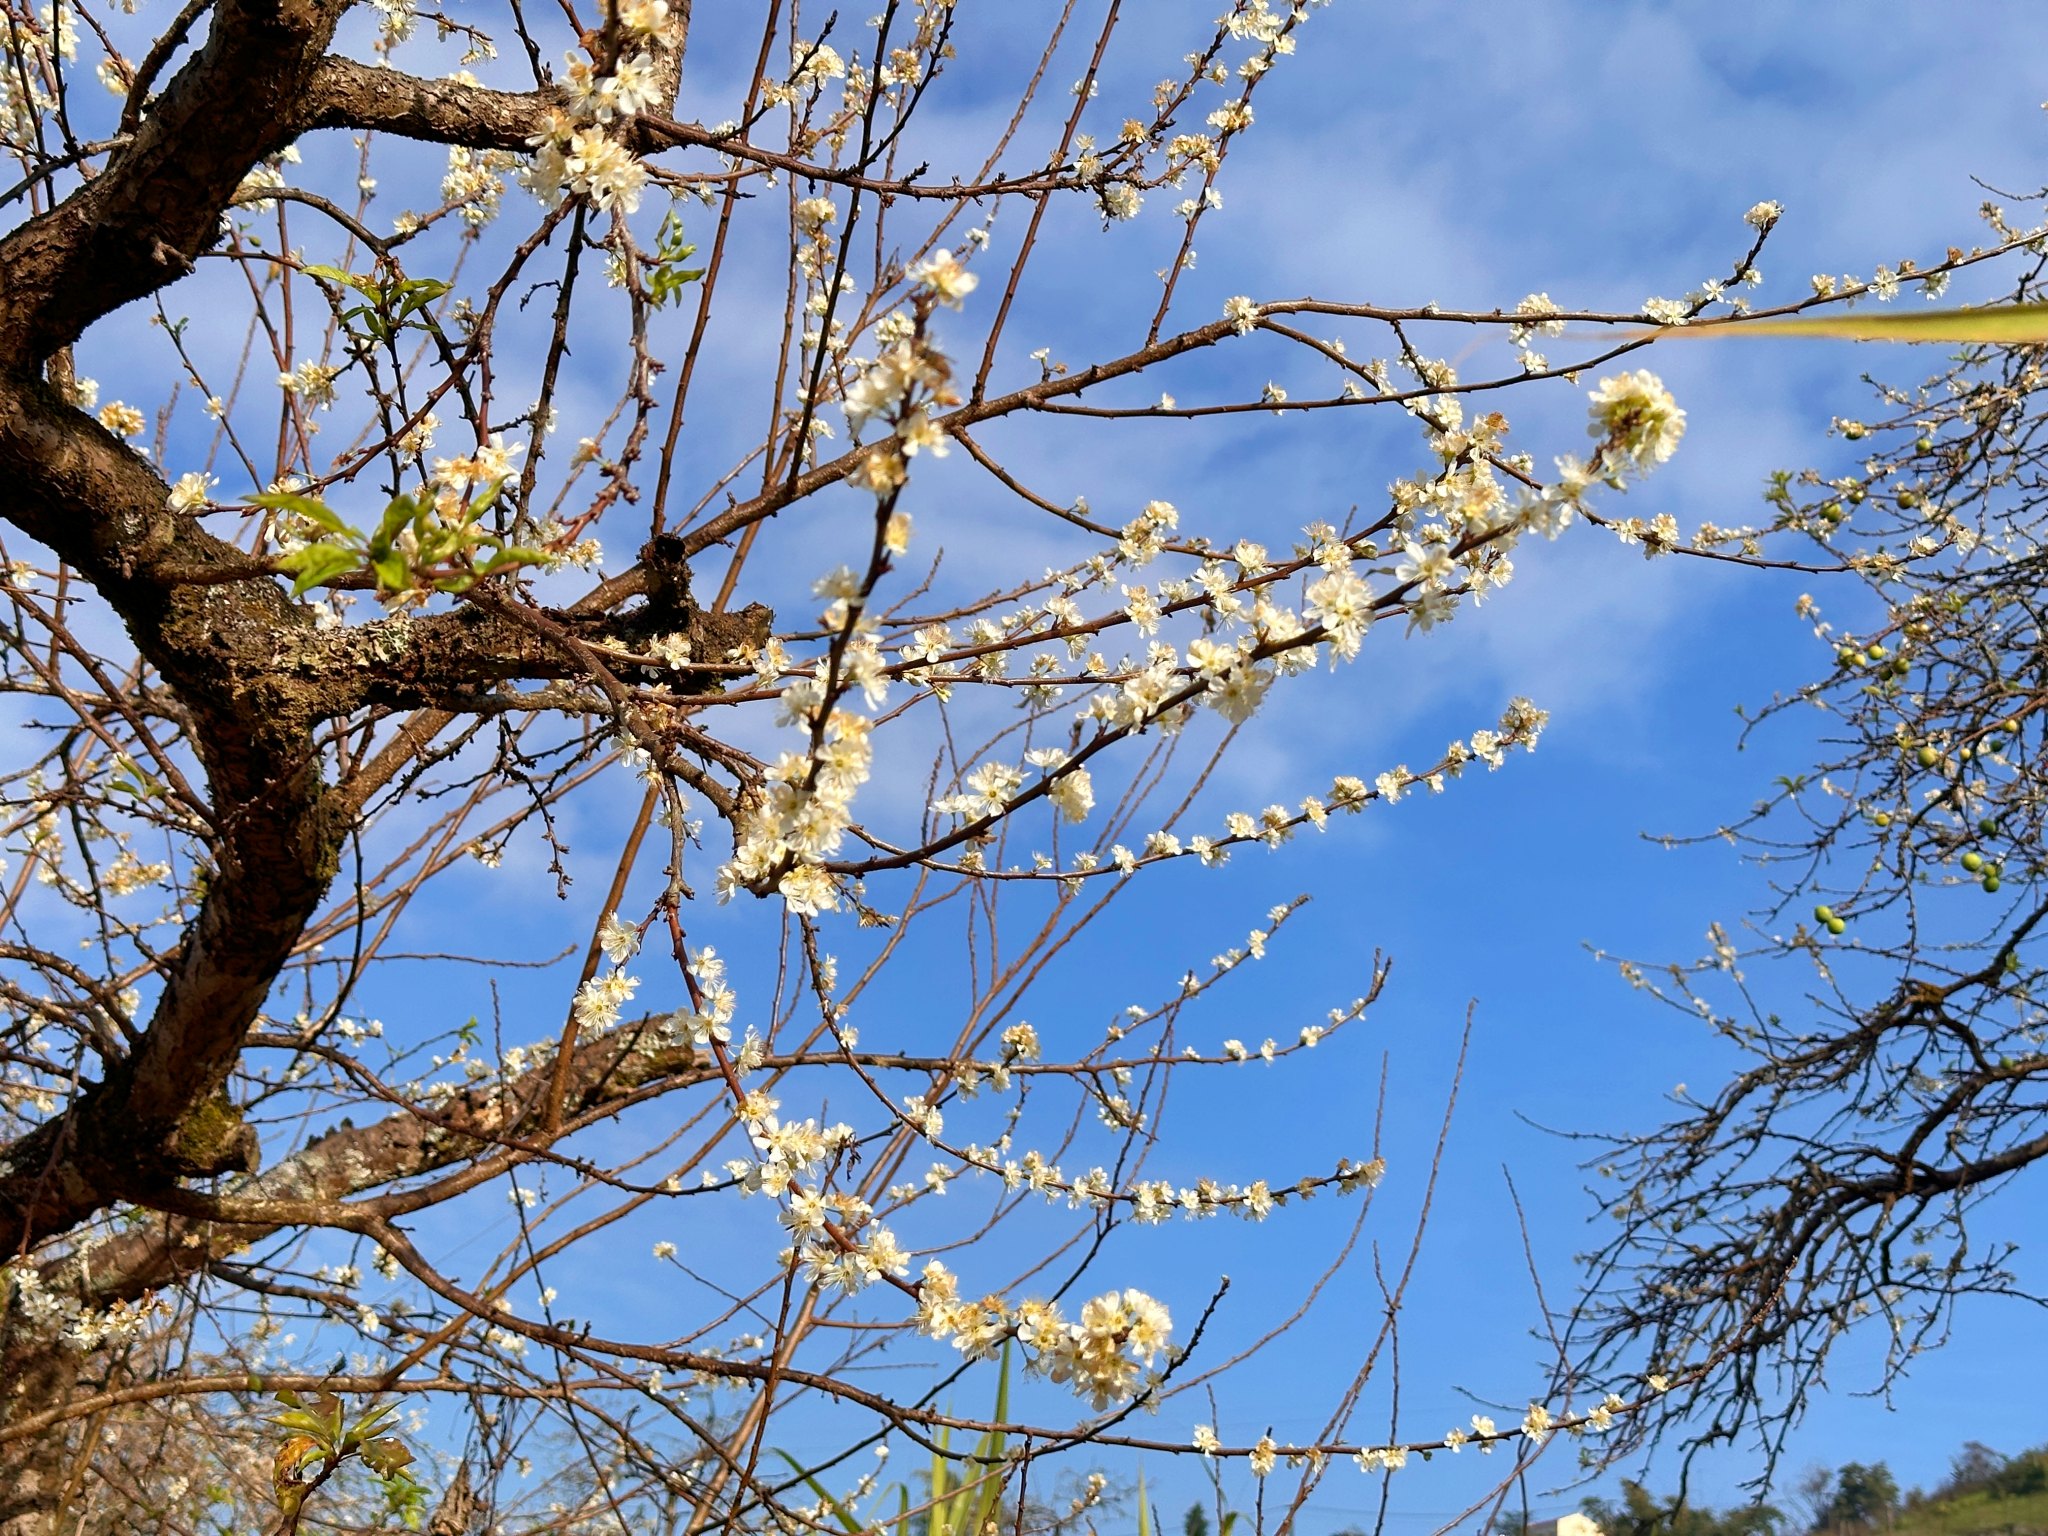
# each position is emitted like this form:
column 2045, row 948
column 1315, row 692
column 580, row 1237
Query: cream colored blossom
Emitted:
column 1634, row 414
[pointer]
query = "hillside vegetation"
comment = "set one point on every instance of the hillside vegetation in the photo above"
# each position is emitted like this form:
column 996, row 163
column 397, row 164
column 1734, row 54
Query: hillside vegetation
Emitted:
column 1986, row 1493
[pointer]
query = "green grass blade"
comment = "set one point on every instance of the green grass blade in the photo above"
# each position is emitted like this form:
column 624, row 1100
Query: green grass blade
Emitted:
column 993, row 1444
column 2007, row 325
column 831, row 1501
column 938, row 1521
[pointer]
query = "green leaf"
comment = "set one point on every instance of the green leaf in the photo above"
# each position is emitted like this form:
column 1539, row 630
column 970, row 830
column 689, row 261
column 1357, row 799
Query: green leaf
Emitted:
column 363, row 285
column 385, row 1456
column 665, row 282
column 403, row 509
column 439, row 544
column 483, row 501
column 392, row 575
column 311, row 508
column 511, row 555
column 318, row 563
column 372, row 1421
column 2006, row 325
column 417, row 293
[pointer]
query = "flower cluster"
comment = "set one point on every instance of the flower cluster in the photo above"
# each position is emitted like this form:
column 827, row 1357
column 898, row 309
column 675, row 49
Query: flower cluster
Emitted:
column 81, row 1327
column 575, row 152
column 712, row 1019
column 1104, row 1356
column 1634, row 416
column 632, row 88
column 473, row 184
column 900, row 387
column 836, row 1240
column 1637, row 425
column 785, row 1152
column 802, row 817
column 584, row 162
column 599, row 999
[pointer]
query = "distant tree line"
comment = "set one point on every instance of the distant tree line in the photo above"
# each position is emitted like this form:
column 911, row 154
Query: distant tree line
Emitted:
column 1854, row 1499
column 1638, row 1512
column 1978, row 1469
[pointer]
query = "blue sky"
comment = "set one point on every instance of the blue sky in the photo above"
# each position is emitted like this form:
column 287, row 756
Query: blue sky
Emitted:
column 1468, row 154
column 1603, row 152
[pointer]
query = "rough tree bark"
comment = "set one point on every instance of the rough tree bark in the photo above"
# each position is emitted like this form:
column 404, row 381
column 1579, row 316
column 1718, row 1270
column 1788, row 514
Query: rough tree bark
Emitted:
column 255, row 681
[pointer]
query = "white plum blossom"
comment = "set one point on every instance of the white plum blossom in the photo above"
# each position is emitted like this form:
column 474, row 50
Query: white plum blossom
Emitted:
column 1119, row 200
column 599, row 1000
column 583, row 162
column 122, row 419
column 945, row 278
column 632, row 88
column 1072, row 794
column 812, row 64
column 808, row 890
column 1635, row 415
column 1430, row 564
column 189, row 494
column 1342, row 603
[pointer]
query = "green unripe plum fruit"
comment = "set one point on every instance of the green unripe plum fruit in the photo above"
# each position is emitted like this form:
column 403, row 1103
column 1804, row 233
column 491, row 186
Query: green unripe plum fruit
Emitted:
column 1823, row 914
column 1883, row 818
column 1927, row 757
column 1987, row 826
column 1909, row 499
column 1973, row 861
column 1923, row 444
column 1831, row 511
column 1836, row 926
column 1856, row 495
column 1990, row 881
column 1876, row 652
column 1848, row 656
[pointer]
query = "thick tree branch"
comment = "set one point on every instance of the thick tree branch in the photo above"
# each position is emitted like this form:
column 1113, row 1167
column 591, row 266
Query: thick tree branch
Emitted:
column 605, row 1075
column 141, row 223
column 104, row 512
column 40, row 1366
column 345, row 94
